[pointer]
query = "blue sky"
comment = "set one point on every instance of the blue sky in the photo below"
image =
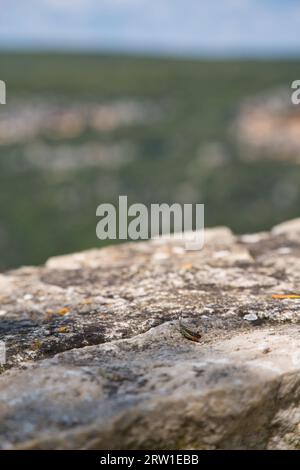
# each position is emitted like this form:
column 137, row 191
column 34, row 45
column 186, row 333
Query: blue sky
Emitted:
column 211, row 27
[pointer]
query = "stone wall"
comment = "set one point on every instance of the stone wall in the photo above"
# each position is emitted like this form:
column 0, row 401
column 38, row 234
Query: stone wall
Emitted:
column 96, row 359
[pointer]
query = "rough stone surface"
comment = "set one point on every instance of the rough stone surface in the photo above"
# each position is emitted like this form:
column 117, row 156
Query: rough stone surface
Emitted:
column 95, row 358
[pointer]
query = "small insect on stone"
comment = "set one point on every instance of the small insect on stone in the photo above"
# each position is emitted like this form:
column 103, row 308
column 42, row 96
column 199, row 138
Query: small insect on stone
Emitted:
column 187, row 332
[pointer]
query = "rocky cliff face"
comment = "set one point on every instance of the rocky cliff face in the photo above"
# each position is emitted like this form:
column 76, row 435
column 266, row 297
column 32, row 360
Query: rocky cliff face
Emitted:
column 95, row 357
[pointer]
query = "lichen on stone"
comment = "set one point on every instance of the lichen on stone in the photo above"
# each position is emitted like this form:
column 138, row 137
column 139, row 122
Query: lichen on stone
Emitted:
column 96, row 359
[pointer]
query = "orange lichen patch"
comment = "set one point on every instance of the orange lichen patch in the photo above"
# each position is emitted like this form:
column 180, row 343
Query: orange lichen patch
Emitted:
column 63, row 329
column 285, row 296
column 63, row 311
column 187, row 266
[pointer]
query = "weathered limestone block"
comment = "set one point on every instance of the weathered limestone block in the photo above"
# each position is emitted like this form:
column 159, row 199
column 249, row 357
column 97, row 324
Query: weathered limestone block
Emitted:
column 95, row 358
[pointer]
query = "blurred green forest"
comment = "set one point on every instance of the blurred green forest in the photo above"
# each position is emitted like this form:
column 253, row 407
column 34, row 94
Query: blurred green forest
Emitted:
column 189, row 104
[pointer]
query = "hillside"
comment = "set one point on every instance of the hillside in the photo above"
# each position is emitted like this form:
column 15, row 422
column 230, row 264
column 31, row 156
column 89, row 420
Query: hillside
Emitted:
column 79, row 130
